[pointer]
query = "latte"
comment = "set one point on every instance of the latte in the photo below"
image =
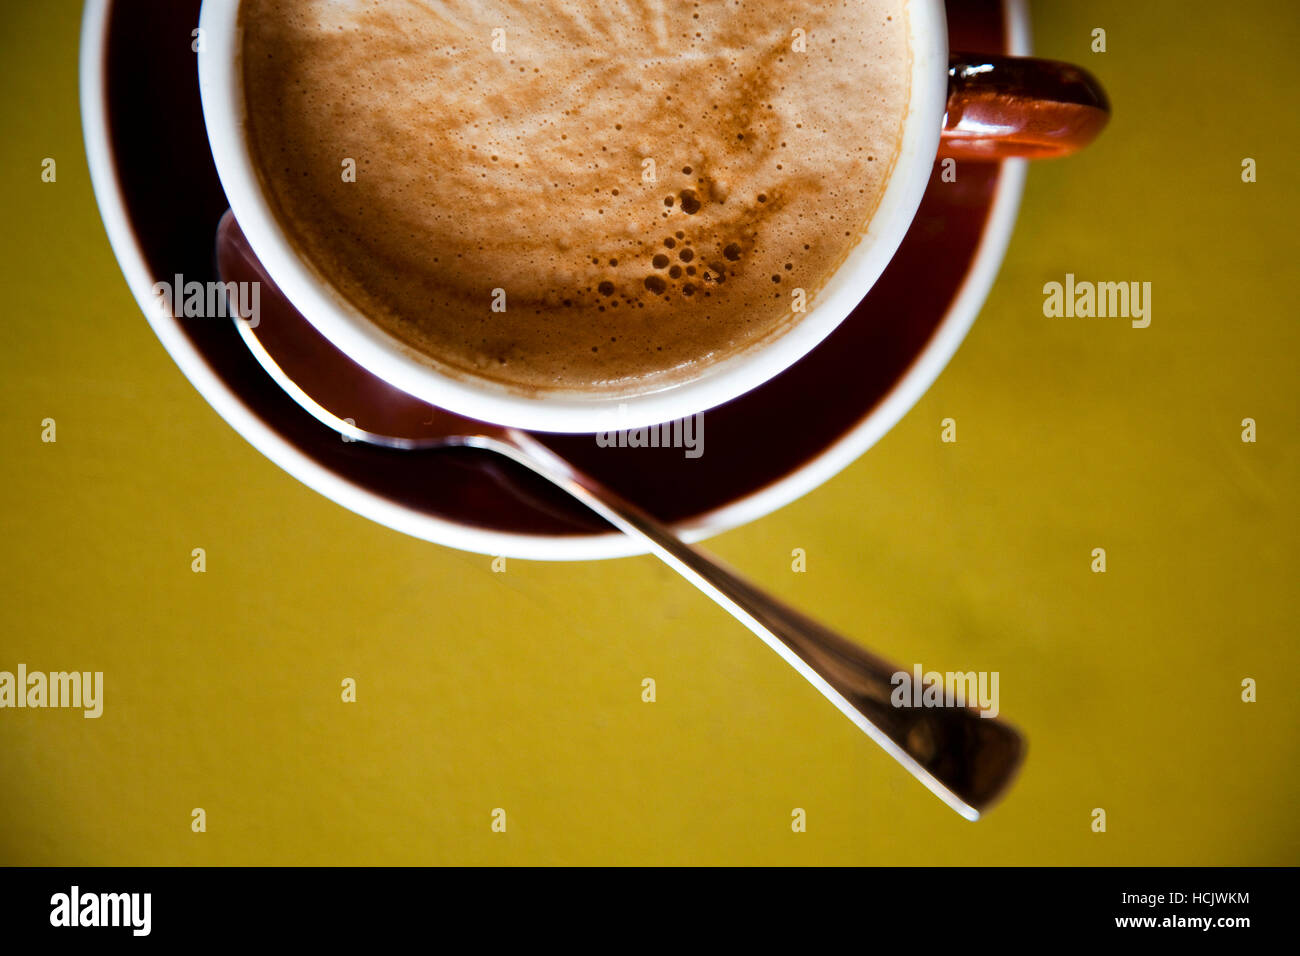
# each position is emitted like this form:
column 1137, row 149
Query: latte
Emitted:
column 575, row 195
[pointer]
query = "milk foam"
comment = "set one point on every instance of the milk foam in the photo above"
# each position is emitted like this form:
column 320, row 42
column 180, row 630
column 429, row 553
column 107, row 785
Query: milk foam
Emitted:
column 641, row 184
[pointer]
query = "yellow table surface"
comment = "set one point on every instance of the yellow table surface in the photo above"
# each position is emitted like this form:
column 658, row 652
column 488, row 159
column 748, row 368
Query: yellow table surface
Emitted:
column 522, row 690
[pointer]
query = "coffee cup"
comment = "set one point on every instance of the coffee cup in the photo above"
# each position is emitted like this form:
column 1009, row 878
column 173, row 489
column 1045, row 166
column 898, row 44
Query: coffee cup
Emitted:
column 958, row 107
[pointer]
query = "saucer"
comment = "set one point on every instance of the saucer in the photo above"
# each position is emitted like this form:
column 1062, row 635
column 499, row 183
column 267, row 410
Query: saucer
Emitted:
column 161, row 202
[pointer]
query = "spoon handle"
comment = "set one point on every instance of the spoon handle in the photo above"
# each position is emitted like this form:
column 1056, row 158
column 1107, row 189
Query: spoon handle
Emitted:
column 967, row 760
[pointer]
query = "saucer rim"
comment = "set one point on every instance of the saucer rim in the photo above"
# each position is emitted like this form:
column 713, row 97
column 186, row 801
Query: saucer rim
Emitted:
column 855, row 441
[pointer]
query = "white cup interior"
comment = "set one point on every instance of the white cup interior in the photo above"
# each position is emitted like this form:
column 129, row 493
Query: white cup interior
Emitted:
column 220, row 86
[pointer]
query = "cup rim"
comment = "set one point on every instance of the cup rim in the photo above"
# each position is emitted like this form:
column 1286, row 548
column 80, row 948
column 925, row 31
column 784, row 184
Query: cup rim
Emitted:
column 343, row 324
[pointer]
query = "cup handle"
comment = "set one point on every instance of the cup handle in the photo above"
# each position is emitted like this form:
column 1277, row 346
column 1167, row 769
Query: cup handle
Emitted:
column 1000, row 107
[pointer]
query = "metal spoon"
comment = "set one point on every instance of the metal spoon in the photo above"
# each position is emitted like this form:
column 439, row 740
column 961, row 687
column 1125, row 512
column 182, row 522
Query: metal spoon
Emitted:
column 965, row 759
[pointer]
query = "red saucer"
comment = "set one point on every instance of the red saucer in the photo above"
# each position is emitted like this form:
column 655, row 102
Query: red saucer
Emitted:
column 163, row 217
